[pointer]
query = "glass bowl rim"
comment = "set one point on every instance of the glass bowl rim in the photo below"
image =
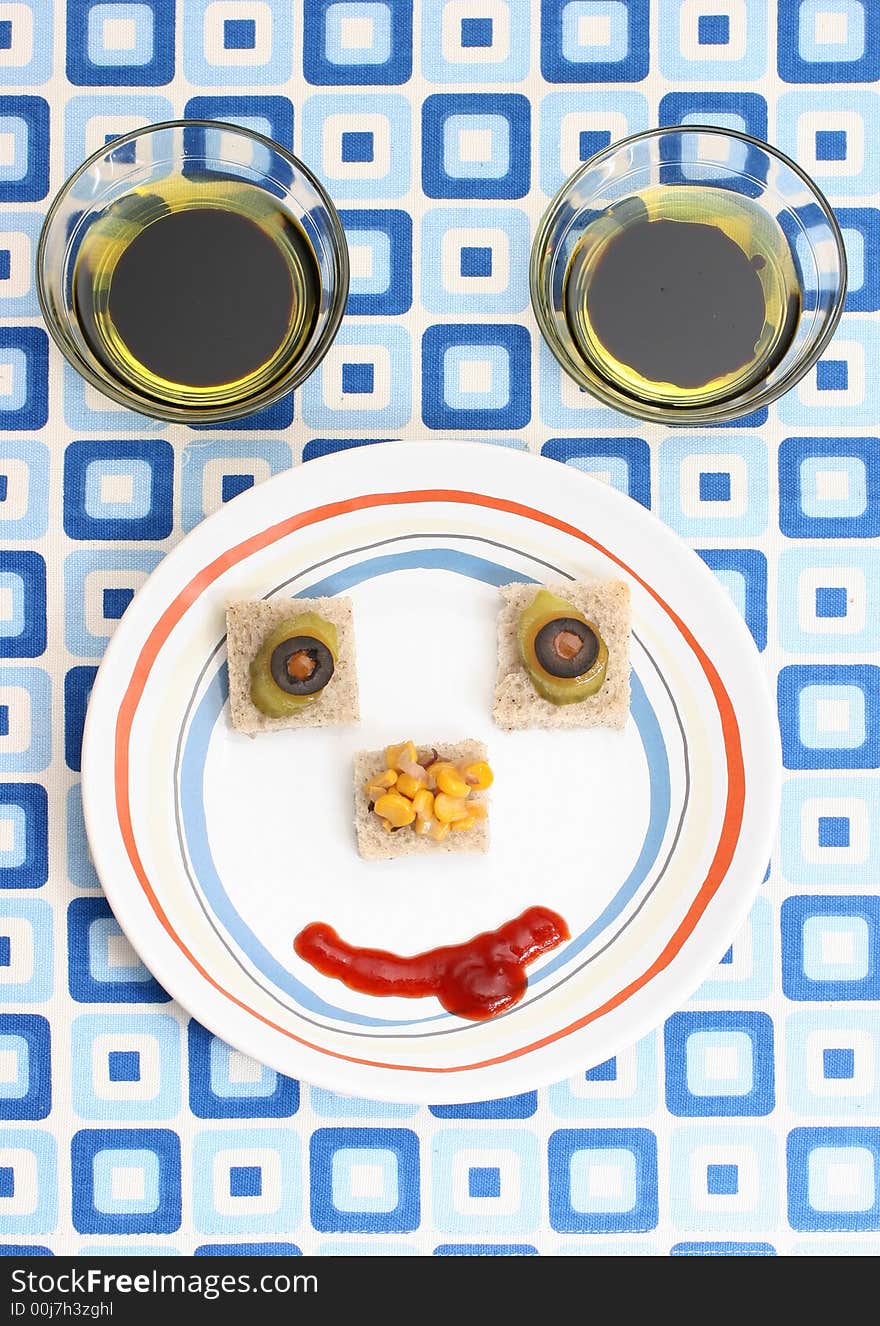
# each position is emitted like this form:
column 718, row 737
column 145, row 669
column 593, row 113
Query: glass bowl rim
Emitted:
column 159, row 410
column 723, row 410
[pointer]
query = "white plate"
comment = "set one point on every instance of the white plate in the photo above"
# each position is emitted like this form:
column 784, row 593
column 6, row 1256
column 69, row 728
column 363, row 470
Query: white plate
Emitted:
column 215, row 849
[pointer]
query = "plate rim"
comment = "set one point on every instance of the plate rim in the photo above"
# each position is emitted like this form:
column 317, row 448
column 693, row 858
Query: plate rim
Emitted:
column 678, row 981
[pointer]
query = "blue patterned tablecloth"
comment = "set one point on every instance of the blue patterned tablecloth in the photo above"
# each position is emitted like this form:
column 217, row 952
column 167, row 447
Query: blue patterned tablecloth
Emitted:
column 750, row 1123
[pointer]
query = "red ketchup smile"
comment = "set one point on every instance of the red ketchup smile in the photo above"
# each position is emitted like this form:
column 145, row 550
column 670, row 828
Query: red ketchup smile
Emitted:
column 476, row 980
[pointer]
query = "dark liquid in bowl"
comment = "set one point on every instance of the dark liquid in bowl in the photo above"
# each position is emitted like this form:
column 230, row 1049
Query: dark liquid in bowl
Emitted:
column 193, row 303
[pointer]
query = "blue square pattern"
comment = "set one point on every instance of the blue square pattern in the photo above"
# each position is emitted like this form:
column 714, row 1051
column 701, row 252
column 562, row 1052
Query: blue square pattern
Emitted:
column 5, row 951
column 209, row 61
column 223, row 1084
column 603, row 1180
column 503, row 1107
column 832, row 375
column 830, row 145
column 831, row 947
column 5, row 272
column 28, row 1184
column 360, row 43
column 604, row 1072
column 830, row 601
column 713, row 29
column 833, row 831
column 124, row 1066
column 364, row 1180
column 467, row 376
column 743, row 573
column 4, row 720
column 269, row 115
column 475, row 261
column 26, row 1089
column 834, row 1179
column 118, row 490
column 212, row 473
column 245, row 1181
column 719, row 1063
column 591, row 141
column 381, row 284
column 838, row 1064
column 585, row 42
column 715, row 486
column 101, row 968
column 239, row 34
column 27, row 926
column 846, row 50
column 116, row 601
column 476, row 145
column 233, row 484
column 126, row 1180
column 24, row 176
column 476, row 32
column 484, row 1181
column 5, row 34
column 24, row 815
column 357, row 146
column 722, row 1180
column 829, row 715
column 120, row 44
column 625, row 462
column 357, row 379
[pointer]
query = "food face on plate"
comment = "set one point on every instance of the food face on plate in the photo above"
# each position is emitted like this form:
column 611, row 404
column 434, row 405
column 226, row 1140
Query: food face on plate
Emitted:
column 563, row 662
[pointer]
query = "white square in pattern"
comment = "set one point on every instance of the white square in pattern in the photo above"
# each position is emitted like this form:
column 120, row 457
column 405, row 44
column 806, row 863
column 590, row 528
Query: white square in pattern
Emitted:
column 366, row 1180
column 120, row 953
column 475, row 145
column 360, row 261
column 832, row 715
column 832, row 486
column 331, row 382
column 721, row 1063
column 850, row 808
column 8, row 1066
column 356, row 34
column 837, row 948
column 831, row 29
column 117, row 488
column 241, row 1068
column 18, row 281
column 577, row 122
column 7, row 149
column 475, row 377
column 119, row 34
column 605, row 1181
column 457, row 238
column 127, row 1183
column 842, row 1180
column 7, row 379
column 853, row 355
column 7, row 835
column 593, row 30
column 93, row 597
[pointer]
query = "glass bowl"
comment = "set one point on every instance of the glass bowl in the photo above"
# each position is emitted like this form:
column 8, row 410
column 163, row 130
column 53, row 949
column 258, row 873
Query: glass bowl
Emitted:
column 210, row 161
column 762, row 186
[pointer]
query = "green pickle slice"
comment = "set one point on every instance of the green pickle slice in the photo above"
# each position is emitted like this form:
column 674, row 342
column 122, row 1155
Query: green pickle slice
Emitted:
column 545, row 609
column 266, row 695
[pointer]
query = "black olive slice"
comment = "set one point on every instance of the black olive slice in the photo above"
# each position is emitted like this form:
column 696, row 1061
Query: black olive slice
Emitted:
column 556, row 647
column 301, row 665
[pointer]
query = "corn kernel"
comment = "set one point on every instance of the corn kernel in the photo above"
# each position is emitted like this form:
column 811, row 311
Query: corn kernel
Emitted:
column 423, row 803
column 460, row 826
column 478, row 775
column 478, row 810
column 423, row 825
column 439, row 831
column 404, row 751
column 380, row 783
column 408, row 785
column 396, row 809
column 447, row 809
column 450, row 781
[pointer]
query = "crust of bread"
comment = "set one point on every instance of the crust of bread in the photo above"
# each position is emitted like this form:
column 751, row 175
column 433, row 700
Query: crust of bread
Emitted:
column 375, row 843
column 248, row 624
column 518, row 705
